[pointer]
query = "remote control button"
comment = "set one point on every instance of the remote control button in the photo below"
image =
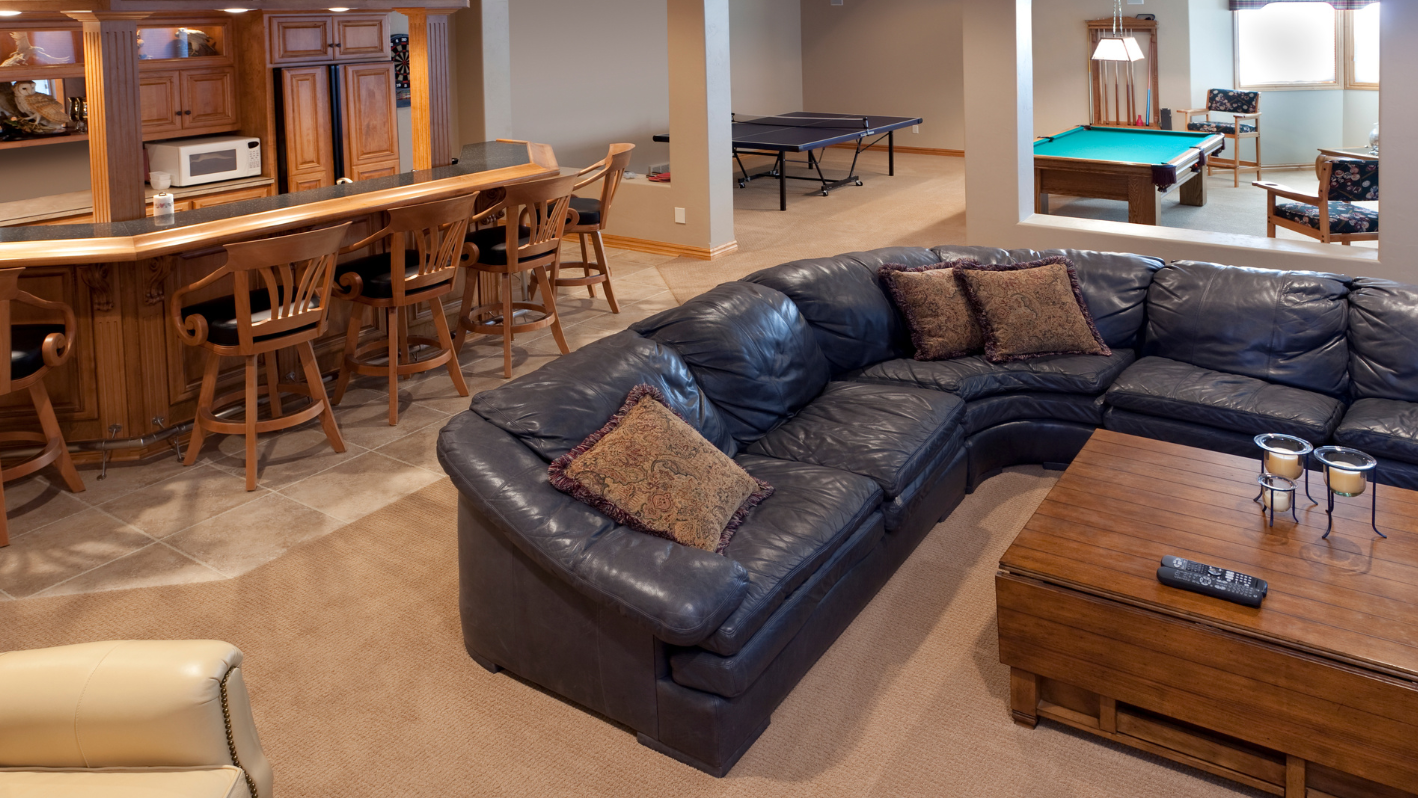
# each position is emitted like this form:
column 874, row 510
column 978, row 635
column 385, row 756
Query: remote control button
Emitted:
column 1213, row 570
column 1206, row 581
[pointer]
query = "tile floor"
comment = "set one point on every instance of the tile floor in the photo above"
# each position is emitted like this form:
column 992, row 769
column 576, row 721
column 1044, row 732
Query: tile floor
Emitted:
column 157, row 522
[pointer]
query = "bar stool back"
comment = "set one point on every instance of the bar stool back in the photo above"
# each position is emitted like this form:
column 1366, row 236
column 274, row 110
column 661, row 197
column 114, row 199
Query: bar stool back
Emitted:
column 34, row 350
column 281, row 298
column 594, row 214
column 537, row 215
column 428, row 240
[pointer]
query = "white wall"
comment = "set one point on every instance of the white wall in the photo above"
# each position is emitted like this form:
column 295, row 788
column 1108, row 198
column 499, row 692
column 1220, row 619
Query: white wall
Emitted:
column 889, row 57
column 31, row 172
column 767, row 55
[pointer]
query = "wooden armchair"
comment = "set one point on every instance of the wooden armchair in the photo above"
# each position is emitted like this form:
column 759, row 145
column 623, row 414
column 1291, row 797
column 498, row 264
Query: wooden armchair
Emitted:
column 1244, row 107
column 594, row 214
column 1330, row 215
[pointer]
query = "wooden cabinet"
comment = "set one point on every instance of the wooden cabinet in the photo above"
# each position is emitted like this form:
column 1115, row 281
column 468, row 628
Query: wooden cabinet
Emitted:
column 309, row 147
column 310, row 38
column 160, row 101
column 184, row 102
column 371, row 130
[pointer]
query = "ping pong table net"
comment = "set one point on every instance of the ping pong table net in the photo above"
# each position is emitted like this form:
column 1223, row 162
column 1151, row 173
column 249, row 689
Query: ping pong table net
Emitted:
column 805, row 121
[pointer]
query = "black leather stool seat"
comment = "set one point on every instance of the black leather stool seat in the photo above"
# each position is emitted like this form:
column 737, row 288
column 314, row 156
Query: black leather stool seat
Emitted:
column 27, row 347
column 374, row 271
column 589, row 211
column 492, row 243
column 220, row 314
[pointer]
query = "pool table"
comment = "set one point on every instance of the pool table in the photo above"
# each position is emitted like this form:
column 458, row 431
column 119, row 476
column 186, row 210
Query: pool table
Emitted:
column 1138, row 165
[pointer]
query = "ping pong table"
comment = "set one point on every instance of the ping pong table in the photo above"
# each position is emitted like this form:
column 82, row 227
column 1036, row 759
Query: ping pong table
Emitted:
column 805, row 131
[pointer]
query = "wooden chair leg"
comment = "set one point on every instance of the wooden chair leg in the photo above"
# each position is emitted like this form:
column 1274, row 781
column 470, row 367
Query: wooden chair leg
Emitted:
column 50, row 424
column 605, row 269
column 204, row 402
column 507, row 326
column 273, row 390
column 251, row 404
column 1258, row 166
column 391, row 323
column 316, row 384
column 4, row 521
column 1236, row 153
column 545, row 282
column 351, row 346
column 445, row 340
column 586, row 262
column 402, row 314
column 471, row 280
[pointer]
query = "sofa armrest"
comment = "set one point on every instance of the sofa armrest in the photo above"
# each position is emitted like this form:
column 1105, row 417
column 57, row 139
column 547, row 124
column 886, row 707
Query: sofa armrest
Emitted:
column 679, row 593
column 127, row 704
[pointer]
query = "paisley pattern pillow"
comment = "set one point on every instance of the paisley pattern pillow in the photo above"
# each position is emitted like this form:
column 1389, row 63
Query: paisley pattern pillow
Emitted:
column 1227, row 128
column 1343, row 217
column 651, row 471
column 1354, row 179
column 1030, row 310
column 943, row 326
column 1235, row 102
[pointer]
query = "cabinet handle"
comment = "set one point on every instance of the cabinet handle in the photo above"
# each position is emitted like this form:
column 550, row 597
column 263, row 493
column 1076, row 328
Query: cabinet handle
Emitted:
column 187, row 113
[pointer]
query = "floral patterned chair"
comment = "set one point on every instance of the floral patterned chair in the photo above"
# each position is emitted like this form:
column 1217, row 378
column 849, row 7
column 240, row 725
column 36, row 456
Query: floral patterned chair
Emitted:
column 1244, row 107
column 1331, row 215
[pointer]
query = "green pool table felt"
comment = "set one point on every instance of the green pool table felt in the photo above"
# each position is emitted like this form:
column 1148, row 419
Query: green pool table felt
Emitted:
column 1119, row 144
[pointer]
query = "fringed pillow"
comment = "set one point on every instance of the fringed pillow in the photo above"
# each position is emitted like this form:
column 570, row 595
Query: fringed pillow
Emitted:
column 942, row 324
column 648, row 469
column 1029, row 310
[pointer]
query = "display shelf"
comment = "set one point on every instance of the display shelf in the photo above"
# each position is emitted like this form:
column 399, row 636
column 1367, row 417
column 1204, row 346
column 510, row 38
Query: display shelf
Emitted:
column 14, row 145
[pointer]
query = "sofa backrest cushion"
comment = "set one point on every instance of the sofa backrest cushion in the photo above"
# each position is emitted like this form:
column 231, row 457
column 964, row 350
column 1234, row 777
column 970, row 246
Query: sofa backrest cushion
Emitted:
column 554, row 408
column 1383, row 326
column 1279, row 326
column 751, row 352
column 1114, row 284
column 853, row 318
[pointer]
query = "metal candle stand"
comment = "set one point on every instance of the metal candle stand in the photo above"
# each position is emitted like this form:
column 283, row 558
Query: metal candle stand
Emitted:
column 1277, row 486
column 1284, row 445
column 1345, row 459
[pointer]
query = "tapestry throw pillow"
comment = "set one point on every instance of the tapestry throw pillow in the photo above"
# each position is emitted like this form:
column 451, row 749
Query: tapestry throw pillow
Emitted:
column 648, row 469
column 942, row 324
column 1029, row 310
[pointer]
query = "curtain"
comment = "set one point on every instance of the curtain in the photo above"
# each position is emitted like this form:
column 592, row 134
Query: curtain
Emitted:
column 1341, row 5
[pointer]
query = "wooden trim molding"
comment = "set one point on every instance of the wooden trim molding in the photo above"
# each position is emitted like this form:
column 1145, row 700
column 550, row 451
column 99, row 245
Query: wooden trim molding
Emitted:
column 666, row 248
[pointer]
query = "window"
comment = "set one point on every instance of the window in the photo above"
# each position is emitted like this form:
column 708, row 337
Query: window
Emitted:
column 1307, row 45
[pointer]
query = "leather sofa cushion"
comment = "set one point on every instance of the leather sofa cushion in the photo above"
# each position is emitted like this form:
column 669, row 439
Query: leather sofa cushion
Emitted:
column 1286, row 328
column 215, row 782
column 27, row 347
column 1383, row 324
column 1114, row 284
column 812, row 511
column 981, row 414
column 1186, row 433
column 886, row 432
column 557, row 406
column 973, row 377
column 901, row 510
column 1171, row 389
column 843, row 299
column 1382, row 428
column 732, row 676
column 751, row 352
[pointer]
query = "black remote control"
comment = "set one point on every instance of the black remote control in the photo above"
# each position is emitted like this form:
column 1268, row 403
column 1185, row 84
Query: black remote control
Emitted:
column 1209, row 580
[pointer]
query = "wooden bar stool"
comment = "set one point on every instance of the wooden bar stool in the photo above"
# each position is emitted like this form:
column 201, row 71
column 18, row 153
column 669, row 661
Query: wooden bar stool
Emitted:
column 594, row 215
column 281, row 297
column 428, row 240
column 34, row 350
column 537, row 214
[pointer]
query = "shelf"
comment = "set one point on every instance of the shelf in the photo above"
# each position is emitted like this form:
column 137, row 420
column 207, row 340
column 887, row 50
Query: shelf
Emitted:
column 14, row 145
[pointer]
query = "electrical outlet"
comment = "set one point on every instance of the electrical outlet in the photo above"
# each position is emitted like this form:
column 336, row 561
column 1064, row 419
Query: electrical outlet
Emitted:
column 679, row 216
column 915, row 128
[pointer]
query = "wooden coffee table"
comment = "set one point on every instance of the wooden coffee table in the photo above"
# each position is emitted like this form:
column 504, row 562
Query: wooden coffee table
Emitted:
column 1315, row 693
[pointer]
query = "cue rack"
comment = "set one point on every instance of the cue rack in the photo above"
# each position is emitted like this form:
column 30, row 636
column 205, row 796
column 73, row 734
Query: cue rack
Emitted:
column 1120, row 92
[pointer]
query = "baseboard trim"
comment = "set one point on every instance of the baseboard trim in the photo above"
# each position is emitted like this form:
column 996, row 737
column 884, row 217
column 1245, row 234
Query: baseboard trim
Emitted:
column 665, row 248
column 909, row 150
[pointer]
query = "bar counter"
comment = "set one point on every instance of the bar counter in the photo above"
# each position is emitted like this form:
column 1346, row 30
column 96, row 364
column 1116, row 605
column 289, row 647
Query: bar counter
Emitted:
column 132, row 380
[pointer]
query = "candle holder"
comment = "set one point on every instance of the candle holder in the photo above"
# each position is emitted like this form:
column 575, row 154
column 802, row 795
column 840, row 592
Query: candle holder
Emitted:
column 1277, row 493
column 1348, row 472
column 1285, row 456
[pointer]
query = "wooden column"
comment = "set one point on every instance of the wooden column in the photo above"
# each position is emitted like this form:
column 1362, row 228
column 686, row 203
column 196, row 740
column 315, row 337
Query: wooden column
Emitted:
column 428, row 87
column 115, row 121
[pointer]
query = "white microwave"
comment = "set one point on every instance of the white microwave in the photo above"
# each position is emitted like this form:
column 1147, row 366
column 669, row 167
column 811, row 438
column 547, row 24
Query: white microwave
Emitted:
column 192, row 162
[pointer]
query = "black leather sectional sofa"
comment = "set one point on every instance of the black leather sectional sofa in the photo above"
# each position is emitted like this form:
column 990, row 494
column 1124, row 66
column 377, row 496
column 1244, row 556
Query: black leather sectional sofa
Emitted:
column 803, row 374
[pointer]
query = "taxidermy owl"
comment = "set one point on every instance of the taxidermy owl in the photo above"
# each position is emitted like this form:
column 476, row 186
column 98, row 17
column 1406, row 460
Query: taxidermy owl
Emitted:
column 198, row 43
column 41, row 109
column 26, row 54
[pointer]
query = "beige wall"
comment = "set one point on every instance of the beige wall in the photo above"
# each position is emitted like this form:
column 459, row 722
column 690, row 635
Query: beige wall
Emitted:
column 766, row 43
column 890, row 57
column 31, row 172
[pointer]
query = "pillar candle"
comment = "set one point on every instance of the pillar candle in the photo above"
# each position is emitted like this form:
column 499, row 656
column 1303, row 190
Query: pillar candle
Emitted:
column 1349, row 483
column 1278, row 500
column 1283, row 465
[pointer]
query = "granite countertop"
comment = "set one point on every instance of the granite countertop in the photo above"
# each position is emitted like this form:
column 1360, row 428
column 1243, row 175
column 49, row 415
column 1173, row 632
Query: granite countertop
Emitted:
column 78, row 203
column 481, row 157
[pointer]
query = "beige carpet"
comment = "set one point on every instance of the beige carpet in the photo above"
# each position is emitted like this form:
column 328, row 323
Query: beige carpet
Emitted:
column 360, row 685
column 923, row 205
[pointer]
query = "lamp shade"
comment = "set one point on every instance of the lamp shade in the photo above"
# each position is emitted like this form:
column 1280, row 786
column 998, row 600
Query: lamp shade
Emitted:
column 1111, row 50
column 1134, row 52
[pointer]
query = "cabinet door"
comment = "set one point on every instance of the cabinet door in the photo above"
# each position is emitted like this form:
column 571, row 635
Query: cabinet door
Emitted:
column 296, row 39
column 361, row 37
column 209, row 97
column 367, row 114
column 160, row 103
column 310, row 152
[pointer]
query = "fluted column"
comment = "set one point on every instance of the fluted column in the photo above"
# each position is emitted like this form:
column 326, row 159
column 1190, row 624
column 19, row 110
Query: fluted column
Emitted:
column 429, row 87
column 115, row 113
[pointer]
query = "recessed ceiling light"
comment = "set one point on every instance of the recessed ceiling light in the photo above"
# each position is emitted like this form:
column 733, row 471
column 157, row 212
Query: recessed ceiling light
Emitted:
column 339, row 10
column 9, row 13
column 236, row 10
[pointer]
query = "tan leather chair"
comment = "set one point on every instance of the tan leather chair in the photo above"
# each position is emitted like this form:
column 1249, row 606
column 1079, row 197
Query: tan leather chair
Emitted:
column 129, row 718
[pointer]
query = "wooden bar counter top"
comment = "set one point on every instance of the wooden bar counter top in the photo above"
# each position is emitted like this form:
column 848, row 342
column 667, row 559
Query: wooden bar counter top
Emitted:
column 132, row 379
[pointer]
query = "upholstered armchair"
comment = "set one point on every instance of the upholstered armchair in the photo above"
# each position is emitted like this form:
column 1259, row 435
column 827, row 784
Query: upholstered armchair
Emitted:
column 1329, row 215
column 1244, row 108
column 129, row 717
